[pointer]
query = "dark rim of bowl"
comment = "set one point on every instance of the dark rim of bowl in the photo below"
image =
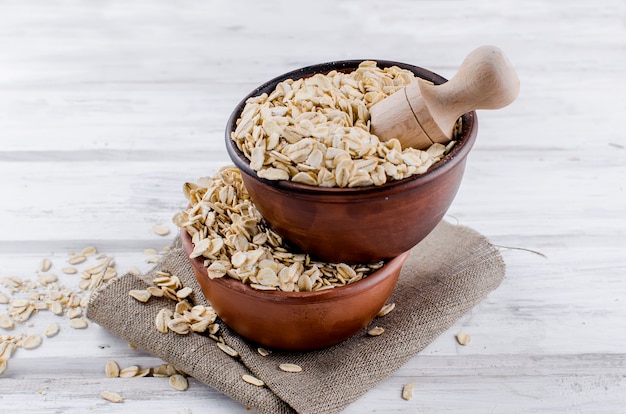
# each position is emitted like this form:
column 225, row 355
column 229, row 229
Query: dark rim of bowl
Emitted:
column 456, row 155
column 294, row 297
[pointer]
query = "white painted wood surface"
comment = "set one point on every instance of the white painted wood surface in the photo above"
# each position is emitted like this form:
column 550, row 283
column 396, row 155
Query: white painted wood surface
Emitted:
column 106, row 108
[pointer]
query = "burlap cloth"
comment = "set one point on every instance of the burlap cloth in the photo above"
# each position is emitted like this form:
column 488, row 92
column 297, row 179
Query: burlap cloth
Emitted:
column 445, row 276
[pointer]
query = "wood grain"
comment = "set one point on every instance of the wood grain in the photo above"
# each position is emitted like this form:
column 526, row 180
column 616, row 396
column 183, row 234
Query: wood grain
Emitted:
column 107, row 108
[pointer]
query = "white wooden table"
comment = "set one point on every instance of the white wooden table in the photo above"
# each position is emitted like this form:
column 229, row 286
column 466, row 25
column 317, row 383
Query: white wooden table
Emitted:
column 106, row 108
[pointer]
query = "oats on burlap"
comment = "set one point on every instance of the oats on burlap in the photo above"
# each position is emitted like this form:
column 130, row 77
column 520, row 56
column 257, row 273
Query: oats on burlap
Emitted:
column 386, row 309
column 227, row 349
column 290, row 367
column 376, row 331
column 252, row 380
column 140, row 295
column 229, row 233
column 316, row 131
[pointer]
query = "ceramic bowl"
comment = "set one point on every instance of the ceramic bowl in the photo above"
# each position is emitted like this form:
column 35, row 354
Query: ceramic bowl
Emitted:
column 297, row 321
column 356, row 225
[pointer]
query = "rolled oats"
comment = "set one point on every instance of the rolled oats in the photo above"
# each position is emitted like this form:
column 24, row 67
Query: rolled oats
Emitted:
column 112, row 369
column 160, row 230
column 407, row 391
column 6, row 322
column 178, row 382
column 463, row 338
column 140, row 295
column 70, row 270
column 4, row 299
column 227, row 349
column 386, row 309
column 252, row 380
column 78, row 323
column 112, row 396
column 129, row 372
column 52, row 330
column 31, row 342
column 45, row 265
column 290, row 367
column 376, row 331
column 297, row 132
column 229, row 233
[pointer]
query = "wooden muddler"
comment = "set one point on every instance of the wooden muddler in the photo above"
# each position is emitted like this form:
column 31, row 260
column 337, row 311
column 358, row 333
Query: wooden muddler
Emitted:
column 421, row 114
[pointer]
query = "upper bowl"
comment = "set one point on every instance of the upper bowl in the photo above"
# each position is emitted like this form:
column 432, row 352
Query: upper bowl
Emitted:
column 360, row 224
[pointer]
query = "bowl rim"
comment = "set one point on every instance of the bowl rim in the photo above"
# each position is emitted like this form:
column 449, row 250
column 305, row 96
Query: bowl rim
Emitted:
column 456, row 155
column 294, row 298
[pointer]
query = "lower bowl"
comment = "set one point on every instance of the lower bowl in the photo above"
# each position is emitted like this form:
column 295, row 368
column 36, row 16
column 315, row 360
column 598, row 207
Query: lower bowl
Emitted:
column 297, row 321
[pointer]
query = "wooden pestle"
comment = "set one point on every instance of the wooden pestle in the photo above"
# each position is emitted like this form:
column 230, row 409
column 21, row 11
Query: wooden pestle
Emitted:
column 421, row 114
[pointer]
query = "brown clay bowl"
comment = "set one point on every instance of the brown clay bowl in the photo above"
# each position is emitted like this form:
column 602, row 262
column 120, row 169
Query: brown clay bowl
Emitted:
column 356, row 225
column 297, row 321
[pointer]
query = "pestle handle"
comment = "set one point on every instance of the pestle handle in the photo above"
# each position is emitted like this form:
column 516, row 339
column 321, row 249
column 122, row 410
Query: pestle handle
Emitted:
column 485, row 80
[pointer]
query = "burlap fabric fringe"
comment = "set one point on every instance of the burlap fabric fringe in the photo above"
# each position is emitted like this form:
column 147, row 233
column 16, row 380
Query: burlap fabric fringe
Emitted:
column 445, row 276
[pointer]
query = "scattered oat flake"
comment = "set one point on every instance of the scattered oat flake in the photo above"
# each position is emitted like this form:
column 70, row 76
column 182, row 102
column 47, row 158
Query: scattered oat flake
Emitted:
column 150, row 252
column 155, row 291
column 160, row 230
column 227, row 349
column 70, row 270
column 129, row 372
column 134, row 270
column 179, row 382
column 184, row 292
column 52, row 330
column 140, row 295
column 376, row 331
column 143, row 373
column 112, row 369
column 45, row 265
column 78, row 323
column 46, row 278
column 386, row 309
column 112, row 396
column 263, row 351
column 290, row 367
column 463, row 338
column 4, row 298
column 407, row 391
column 32, row 342
column 6, row 322
column 89, row 250
column 252, row 380
column 76, row 259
